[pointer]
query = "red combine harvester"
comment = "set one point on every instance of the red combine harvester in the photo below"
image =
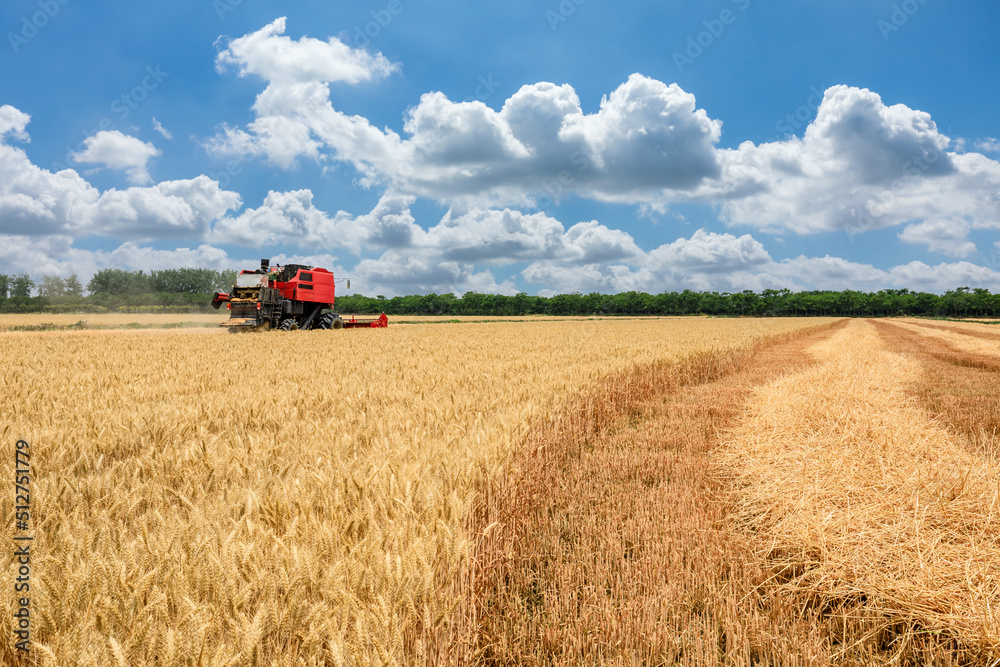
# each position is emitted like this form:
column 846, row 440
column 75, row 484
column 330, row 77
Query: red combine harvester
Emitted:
column 289, row 297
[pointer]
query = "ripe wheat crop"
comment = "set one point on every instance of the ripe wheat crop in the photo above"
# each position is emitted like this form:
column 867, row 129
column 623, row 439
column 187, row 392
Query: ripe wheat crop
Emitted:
column 283, row 498
column 10, row 320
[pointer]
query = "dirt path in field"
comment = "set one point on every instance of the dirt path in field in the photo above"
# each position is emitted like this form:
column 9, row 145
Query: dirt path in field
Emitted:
column 827, row 499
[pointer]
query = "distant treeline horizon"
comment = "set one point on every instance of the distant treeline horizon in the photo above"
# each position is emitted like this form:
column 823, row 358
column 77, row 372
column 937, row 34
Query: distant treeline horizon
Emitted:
column 190, row 290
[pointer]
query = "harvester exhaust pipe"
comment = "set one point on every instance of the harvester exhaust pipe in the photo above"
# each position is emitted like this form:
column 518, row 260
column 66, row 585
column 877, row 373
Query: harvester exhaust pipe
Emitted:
column 264, row 263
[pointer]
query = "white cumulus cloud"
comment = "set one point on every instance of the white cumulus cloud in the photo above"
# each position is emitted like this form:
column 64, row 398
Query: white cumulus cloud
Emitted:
column 170, row 209
column 948, row 236
column 292, row 218
column 861, row 165
column 988, row 145
column 294, row 115
column 647, row 139
column 37, row 202
column 269, row 54
column 119, row 151
column 12, row 122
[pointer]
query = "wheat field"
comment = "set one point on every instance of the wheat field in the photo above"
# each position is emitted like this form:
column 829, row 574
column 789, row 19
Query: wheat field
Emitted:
column 827, row 498
column 18, row 322
column 286, row 498
column 10, row 320
column 539, row 492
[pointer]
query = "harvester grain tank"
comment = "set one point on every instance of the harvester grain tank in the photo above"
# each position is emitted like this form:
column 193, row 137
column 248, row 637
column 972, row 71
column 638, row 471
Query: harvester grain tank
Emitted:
column 289, row 297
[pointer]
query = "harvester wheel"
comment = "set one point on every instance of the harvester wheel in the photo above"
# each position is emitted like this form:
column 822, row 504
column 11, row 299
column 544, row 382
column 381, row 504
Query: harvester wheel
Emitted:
column 325, row 320
column 338, row 323
column 289, row 325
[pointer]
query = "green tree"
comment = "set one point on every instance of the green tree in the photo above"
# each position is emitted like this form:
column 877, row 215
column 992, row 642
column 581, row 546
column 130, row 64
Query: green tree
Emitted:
column 52, row 286
column 224, row 280
column 520, row 304
column 742, row 303
column 72, row 286
column 21, row 285
column 3, row 286
column 184, row 281
column 958, row 301
column 565, row 304
column 118, row 282
column 472, row 303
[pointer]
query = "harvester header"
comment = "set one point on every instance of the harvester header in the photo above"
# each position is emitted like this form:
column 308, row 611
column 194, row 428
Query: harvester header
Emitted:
column 289, row 297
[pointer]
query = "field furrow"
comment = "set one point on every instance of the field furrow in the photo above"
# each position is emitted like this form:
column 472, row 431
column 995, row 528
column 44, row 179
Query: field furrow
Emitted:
column 610, row 542
column 957, row 388
column 986, row 332
column 963, row 339
column 868, row 508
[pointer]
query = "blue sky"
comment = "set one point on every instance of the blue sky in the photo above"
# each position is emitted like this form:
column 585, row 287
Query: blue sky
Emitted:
column 545, row 147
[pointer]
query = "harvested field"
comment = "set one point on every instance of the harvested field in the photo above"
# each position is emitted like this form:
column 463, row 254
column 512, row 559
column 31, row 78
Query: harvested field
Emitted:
column 958, row 388
column 103, row 321
column 610, row 541
column 287, row 498
column 973, row 328
column 864, row 504
column 960, row 337
column 812, row 503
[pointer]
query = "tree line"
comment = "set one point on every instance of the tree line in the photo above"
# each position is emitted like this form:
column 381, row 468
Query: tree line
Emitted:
column 186, row 289
column 191, row 289
column 961, row 302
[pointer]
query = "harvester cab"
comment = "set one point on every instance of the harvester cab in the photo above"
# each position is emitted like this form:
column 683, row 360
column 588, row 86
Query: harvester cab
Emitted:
column 289, row 297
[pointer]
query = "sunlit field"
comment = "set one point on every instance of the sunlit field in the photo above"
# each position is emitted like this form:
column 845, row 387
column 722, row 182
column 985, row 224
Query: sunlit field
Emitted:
column 108, row 319
column 289, row 498
column 828, row 499
column 14, row 321
column 547, row 491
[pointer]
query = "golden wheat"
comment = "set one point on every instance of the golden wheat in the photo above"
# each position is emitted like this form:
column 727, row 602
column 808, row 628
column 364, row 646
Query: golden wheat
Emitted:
column 967, row 337
column 283, row 498
column 861, row 502
column 9, row 320
column 959, row 388
column 609, row 542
